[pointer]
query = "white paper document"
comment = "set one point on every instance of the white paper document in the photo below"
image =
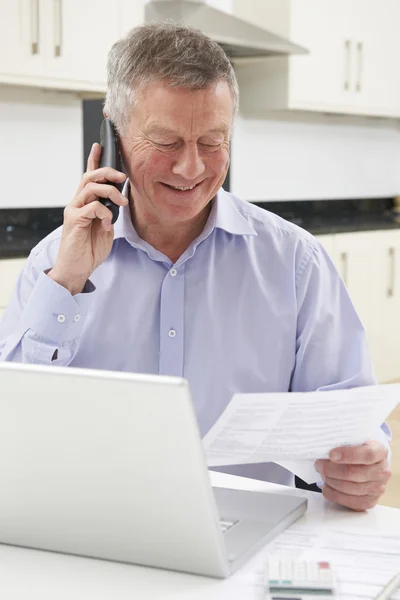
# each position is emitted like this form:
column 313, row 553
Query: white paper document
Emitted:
column 363, row 561
column 295, row 429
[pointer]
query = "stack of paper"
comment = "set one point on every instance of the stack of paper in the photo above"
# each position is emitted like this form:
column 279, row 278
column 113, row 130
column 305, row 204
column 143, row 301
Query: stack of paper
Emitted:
column 295, row 429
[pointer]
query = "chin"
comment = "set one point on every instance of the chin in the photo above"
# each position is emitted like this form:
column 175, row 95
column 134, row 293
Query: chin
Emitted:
column 182, row 213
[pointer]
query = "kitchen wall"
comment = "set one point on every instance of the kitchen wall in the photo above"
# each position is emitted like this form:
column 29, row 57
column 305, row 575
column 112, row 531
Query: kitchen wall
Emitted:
column 287, row 158
column 317, row 157
column 40, row 147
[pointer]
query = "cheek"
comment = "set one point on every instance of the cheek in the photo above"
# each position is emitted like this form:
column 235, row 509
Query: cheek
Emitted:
column 157, row 164
column 218, row 163
column 150, row 165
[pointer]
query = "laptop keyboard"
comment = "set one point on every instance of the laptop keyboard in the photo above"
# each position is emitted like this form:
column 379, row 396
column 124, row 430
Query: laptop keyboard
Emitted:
column 225, row 524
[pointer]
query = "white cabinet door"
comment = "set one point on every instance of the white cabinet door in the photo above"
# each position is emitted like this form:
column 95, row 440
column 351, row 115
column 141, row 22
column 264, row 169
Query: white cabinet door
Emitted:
column 365, row 265
column 323, row 79
column 351, row 67
column 79, row 37
column 359, row 264
column 21, row 49
column 320, row 80
column 377, row 72
column 62, row 44
column 391, row 315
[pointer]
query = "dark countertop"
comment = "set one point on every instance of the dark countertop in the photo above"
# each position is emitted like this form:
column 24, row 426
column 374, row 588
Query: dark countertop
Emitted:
column 350, row 227
column 19, row 244
column 321, row 217
column 22, row 228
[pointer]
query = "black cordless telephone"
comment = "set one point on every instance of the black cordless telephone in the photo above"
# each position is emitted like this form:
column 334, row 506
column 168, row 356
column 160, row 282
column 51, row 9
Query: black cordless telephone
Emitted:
column 110, row 157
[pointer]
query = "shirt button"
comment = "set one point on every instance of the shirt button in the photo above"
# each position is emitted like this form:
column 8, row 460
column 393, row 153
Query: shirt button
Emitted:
column 172, row 333
column 173, row 272
column 77, row 318
column 61, row 318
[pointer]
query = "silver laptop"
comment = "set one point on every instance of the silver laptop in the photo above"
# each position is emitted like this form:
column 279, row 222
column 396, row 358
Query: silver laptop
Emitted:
column 110, row 465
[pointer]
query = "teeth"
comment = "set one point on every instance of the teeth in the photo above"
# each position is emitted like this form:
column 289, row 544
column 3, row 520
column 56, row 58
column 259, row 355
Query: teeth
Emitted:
column 182, row 189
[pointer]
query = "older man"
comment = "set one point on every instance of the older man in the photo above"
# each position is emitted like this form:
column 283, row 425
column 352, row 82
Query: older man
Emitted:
column 191, row 281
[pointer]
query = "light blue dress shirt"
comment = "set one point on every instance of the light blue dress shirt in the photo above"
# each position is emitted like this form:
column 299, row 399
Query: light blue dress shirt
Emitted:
column 253, row 305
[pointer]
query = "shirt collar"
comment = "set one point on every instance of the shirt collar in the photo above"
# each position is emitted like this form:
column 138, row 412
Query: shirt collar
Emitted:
column 227, row 216
column 224, row 215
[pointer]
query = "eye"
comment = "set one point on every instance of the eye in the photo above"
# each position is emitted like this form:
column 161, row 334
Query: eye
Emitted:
column 211, row 146
column 211, row 142
column 167, row 146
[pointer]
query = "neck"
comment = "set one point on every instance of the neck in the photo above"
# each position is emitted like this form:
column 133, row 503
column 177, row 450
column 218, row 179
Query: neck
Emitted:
column 172, row 239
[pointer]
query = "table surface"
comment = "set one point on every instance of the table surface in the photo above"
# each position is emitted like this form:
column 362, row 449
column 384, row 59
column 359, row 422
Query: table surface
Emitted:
column 38, row 575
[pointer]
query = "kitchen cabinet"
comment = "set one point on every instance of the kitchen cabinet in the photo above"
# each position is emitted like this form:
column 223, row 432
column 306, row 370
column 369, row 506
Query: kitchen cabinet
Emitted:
column 77, row 40
column 369, row 264
column 364, row 266
column 351, row 66
column 379, row 91
column 62, row 44
column 391, row 314
column 21, row 48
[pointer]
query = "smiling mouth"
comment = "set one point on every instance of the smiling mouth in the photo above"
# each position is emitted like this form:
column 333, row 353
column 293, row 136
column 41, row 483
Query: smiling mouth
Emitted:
column 179, row 188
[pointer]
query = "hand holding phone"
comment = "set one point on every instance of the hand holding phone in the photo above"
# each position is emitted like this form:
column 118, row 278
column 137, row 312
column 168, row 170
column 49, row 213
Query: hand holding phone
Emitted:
column 87, row 234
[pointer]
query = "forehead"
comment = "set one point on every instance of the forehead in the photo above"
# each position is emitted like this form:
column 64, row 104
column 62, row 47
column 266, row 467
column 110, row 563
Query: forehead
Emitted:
column 160, row 105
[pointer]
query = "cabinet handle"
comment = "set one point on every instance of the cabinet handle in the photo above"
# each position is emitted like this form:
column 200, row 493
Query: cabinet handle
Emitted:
column 392, row 256
column 347, row 64
column 57, row 27
column 360, row 53
column 34, row 26
column 344, row 257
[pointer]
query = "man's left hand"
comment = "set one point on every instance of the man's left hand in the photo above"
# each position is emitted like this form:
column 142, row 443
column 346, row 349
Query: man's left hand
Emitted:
column 355, row 476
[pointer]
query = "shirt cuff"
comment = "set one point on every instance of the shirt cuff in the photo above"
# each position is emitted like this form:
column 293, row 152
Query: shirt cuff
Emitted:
column 53, row 314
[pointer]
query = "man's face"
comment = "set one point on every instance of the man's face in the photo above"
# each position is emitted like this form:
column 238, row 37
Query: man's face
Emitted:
column 177, row 138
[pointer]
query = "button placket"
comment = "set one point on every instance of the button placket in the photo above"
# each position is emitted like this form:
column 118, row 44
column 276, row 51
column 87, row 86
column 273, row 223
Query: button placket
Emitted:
column 171, row 322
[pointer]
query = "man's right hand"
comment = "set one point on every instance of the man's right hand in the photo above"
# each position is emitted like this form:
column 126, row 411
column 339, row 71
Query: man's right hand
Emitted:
column 87, row 234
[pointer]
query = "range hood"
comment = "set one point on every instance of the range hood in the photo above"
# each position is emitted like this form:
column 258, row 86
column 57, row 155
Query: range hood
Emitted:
column 238, row 38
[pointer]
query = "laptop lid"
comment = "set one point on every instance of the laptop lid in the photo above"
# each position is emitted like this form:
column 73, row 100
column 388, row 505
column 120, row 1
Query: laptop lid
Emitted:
column 108, row 465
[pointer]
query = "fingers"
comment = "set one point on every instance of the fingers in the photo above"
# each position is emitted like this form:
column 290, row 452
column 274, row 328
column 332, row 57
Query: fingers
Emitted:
column 357, row 473
column 94, row 210
column 94, row 157
column 103, row 175
column 367, row 454
column 93, row 173
column 93, row 191
column 355, row 476
column 357, row 503
column 368, row 488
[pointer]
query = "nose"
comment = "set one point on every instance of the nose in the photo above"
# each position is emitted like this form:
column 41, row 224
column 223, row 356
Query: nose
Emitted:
column 189, row 164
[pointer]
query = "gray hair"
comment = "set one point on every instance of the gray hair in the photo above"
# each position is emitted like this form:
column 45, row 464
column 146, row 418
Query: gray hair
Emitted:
column 163, row 51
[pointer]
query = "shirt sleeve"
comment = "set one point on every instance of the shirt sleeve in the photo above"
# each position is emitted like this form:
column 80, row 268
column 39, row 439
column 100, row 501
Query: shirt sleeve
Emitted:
column 43, row 322
column 331, row 346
